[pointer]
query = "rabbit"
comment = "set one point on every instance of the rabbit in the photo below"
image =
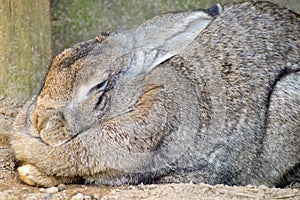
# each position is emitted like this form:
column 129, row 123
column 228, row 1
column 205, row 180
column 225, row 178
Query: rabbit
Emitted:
column 199, row 96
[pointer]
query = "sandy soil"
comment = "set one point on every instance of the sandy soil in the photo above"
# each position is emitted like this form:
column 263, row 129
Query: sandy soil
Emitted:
column 11, row 187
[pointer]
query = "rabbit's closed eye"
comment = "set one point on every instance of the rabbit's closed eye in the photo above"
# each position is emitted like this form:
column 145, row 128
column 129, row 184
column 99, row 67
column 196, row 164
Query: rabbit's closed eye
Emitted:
column 98, row 88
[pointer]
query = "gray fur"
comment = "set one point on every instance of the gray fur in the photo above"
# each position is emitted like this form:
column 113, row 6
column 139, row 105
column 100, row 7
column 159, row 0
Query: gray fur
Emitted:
column 167, row 104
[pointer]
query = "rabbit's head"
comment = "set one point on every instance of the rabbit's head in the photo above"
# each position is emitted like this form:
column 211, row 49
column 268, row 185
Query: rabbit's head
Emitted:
column 102, row 78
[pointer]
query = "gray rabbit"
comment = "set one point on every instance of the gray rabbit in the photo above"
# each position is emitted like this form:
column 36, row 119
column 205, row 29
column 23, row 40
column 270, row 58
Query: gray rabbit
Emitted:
column 204, row 96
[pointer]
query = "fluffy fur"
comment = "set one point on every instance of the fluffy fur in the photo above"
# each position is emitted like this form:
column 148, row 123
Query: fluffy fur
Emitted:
column 132, row 108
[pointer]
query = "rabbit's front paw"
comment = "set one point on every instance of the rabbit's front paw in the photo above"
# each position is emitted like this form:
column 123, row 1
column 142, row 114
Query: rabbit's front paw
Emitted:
column 55, row 131
column 31, row 175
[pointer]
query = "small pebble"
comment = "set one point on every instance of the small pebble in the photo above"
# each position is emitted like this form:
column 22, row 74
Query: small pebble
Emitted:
column 25, row 189
column 51, row 190
column 47, row 196
column 11, row 191
column 31, row 198
column 87, row 197
column 263, row 187
column 78, row 196
column 61, row 187
column 131, row 187
column 96, row 196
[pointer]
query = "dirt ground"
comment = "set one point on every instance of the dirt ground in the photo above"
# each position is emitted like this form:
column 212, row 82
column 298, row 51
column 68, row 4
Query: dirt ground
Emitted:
column 11, row 188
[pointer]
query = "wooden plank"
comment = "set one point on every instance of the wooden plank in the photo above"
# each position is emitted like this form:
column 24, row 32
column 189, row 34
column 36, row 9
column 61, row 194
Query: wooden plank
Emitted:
column 25, row 46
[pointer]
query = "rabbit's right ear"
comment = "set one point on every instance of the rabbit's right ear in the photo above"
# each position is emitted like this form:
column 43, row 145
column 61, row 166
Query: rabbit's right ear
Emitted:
column 162, row 37
column 143, row 61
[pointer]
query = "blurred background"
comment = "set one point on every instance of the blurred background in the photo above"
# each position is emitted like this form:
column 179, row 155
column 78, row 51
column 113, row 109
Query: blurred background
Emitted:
column 33, row 31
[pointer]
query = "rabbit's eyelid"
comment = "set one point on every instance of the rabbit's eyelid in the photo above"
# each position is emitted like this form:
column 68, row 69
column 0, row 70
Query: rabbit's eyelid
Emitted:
column 101, row 86
column 98, row 88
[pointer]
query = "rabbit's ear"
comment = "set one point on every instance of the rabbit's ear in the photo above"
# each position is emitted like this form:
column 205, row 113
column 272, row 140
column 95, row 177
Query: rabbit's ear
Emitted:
column 159, row 39
column 144, row 60
column 174, row 31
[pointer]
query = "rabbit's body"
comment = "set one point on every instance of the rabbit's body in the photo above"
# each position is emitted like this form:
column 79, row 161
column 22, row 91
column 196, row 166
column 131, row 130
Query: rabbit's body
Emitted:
column 223, row 108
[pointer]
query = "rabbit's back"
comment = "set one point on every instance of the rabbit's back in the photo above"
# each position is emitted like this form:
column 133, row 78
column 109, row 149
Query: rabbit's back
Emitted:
column 255, row 48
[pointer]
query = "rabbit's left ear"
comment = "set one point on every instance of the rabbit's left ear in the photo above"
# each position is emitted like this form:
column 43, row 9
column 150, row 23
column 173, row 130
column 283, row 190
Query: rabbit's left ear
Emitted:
column 159, row 39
